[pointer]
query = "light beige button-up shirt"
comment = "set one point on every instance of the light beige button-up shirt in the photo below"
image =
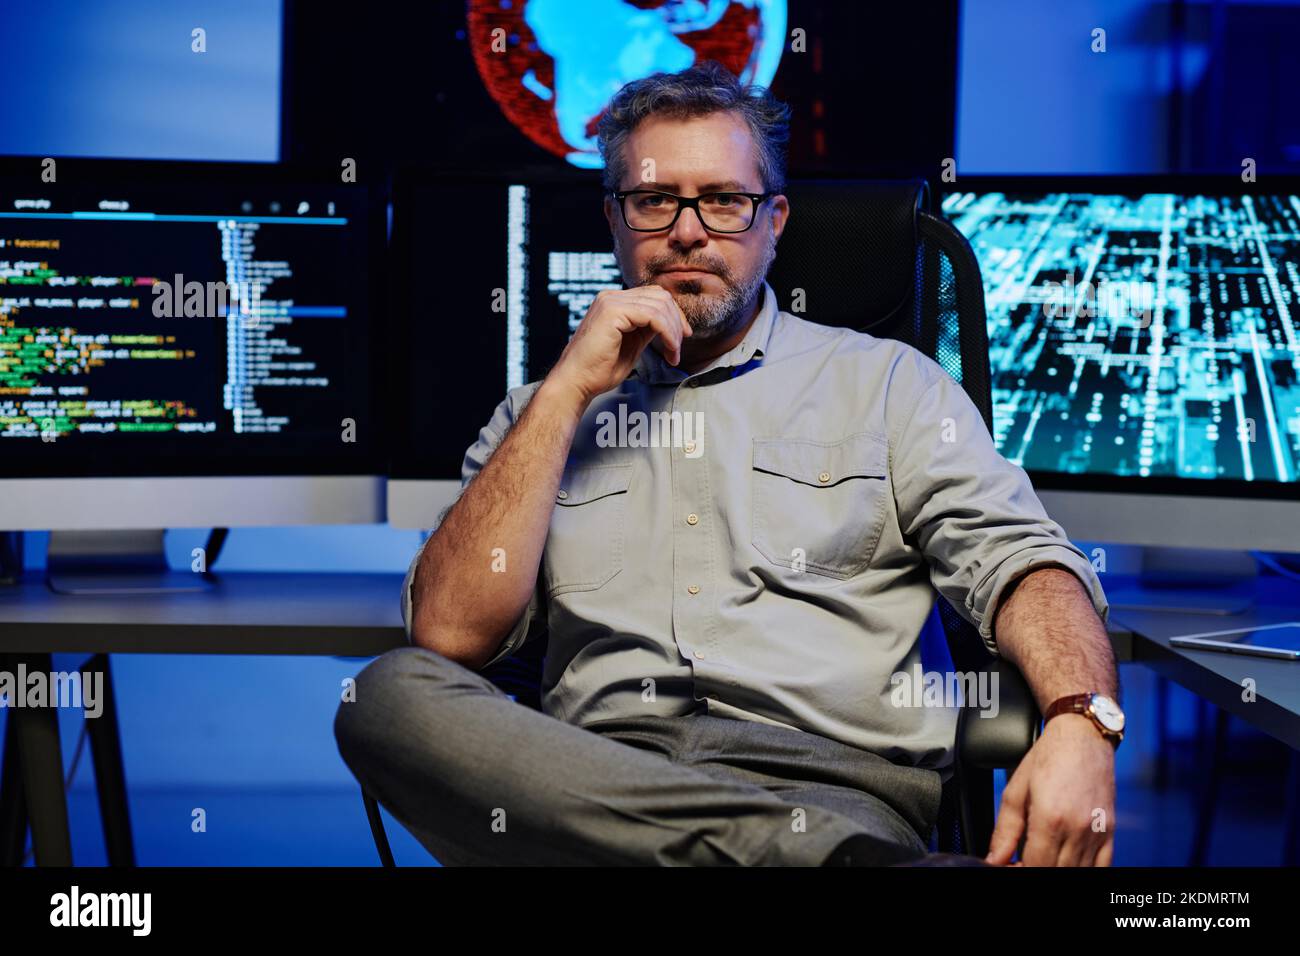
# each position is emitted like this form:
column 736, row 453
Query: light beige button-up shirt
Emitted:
column 766, row 535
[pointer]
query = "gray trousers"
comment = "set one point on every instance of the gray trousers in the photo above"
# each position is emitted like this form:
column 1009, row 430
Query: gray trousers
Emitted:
column 481, row 780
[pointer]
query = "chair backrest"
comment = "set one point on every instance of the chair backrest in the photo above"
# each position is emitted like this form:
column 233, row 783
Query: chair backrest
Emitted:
column 869, row 255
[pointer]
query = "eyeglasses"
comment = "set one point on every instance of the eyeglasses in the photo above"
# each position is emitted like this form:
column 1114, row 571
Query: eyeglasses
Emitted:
column 653, row 211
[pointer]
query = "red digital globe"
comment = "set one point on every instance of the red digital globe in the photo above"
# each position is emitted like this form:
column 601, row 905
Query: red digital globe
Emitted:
column 552, row 65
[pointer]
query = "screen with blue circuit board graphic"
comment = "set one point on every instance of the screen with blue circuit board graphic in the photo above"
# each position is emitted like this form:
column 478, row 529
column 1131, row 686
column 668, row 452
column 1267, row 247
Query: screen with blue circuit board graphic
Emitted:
column 1144, row 335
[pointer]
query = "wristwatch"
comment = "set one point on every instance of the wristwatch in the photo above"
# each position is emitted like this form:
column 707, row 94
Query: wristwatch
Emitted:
column 1098, row 708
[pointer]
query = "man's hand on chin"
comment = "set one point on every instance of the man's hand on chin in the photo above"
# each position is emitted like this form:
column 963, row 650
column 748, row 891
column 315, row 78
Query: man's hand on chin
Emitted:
column 1061, row 799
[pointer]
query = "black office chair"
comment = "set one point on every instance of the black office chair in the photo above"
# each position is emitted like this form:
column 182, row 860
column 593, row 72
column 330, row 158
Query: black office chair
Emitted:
column 869, row 255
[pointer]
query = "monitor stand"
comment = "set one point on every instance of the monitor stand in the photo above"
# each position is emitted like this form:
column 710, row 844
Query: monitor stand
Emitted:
column 115, row 562
column 1188, row 581
column 11, row 557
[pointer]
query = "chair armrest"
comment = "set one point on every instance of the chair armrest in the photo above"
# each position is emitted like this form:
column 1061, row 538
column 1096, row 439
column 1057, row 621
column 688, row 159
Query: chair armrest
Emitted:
column 999, row 742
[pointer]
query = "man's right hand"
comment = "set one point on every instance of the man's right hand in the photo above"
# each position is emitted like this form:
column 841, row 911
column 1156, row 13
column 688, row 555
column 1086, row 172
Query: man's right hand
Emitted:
column 614, row 333
column 460, row 611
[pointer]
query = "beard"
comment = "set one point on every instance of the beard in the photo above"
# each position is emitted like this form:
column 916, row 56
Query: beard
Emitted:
column 710, row 315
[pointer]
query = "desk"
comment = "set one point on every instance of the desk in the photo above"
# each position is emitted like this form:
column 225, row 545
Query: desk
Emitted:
column 344, row 615
column 359, row 615
column 1218, row 677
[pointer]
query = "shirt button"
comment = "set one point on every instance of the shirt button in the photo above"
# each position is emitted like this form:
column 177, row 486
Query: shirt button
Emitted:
column 693, row 589
column 692, row 519
column 561, row 494
column 699, row 655
column 824, row 477
column 689, row 447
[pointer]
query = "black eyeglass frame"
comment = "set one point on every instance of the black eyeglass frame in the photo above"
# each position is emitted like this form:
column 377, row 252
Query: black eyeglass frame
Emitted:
column 691, row 202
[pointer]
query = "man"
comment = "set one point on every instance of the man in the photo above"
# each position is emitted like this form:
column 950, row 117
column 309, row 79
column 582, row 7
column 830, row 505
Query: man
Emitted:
column 730, row 612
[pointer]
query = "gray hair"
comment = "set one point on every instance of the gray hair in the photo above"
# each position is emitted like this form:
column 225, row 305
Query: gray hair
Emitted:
column 703, row 89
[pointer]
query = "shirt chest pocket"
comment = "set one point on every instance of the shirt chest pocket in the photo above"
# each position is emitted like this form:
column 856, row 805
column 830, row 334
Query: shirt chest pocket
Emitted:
column 820, row 506
column 584, row 547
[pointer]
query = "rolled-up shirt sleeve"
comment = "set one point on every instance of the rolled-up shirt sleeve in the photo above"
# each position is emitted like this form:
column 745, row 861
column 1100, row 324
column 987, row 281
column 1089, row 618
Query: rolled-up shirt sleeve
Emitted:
column 532, row 618
column 973, row 514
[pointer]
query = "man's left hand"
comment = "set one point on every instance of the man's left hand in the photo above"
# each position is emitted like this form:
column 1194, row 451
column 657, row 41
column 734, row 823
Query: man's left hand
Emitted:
column 1061, row 799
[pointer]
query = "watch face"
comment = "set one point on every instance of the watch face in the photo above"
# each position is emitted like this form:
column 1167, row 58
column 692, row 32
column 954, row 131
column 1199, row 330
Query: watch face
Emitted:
column 1108, row 712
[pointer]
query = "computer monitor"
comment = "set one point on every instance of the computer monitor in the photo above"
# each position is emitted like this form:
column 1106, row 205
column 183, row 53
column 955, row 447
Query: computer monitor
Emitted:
column 188, row 345
column 1144, row 342
column 492, row 275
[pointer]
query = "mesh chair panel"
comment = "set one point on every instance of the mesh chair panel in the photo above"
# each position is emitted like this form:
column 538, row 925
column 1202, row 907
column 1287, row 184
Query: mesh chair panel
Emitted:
column 866, row 230
column 951, row 324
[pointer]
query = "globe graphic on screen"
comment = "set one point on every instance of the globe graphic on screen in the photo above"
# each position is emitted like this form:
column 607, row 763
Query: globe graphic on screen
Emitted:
column 552, row 65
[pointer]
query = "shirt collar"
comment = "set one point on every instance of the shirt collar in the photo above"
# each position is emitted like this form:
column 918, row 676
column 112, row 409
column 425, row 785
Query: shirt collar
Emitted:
column 652, row 368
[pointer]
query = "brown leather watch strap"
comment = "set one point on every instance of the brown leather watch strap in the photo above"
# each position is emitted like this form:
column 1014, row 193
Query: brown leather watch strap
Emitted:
column 1070, row 704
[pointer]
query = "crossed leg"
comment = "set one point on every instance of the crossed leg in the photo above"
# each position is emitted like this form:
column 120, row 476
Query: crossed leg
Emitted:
column 481, row 780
